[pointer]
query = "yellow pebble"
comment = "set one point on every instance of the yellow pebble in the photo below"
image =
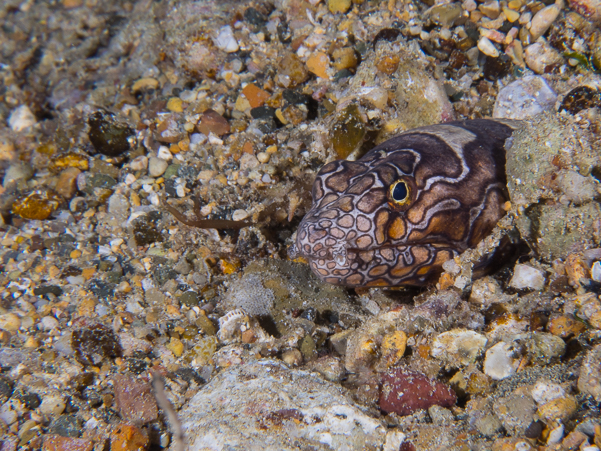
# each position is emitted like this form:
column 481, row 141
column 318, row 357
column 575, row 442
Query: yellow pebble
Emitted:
column 511, row 14
column 176, row 346
column 272, row 149
column 339, row 6
column 175, row 104
column 31, row 343
column 263, row 157
column 144, row 83
column 75, row 253
column 393, row 347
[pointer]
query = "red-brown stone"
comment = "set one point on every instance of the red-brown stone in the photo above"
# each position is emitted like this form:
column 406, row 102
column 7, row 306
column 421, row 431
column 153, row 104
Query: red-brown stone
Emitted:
column 212, row 122
column 404, row 391
column 134, row 400
column 58, row 443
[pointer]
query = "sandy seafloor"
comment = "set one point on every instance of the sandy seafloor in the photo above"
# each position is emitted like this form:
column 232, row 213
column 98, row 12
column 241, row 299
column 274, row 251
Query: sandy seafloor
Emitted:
column 110, row 110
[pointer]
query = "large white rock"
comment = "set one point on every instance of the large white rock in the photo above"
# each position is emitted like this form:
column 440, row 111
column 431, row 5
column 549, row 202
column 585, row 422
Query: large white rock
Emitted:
column 527, row 277
column 21, row 118
column 264, row 405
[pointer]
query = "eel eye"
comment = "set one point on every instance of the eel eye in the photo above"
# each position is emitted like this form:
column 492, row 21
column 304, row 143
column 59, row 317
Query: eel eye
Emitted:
column 399, row 193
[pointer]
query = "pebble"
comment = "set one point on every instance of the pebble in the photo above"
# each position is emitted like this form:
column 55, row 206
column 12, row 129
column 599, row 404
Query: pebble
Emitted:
column 144, row 84
column 226, row 41
column 134, row 400
column 487, row 47
column 52, row 405
column 525, row 97
column 516, row 411
column 539, row 56
column 239, row 215
column 212, row 122
column 16, row 172
column 526, row 277
column 405, row 391
column 555, row 435
column 21, row 118
column 499, row 362
column 164, row 154
column 560, row 409
column 543, row 348
column 127, row 437
column 48, row 323
column 458, row 347
column 596, row 272
column 255, row 96
column 543, row 19
column 339, row 6
column 546, row 391
column 57, row 443
column 575, row 187
column 10, row 322
column 66, row 185
column 589, row 381
column 318, row 64
column 139, row 163
column 157, row 166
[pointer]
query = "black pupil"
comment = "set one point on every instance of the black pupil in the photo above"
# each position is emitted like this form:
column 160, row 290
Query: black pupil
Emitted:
column 399, row 193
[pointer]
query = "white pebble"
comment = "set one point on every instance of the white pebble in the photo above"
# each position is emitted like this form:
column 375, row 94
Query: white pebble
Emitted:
column 499, row 362
column 458, row 347
column 226, row 41
column 527, row 277
column 487, row 47
column 524, row 98
column 596, row 272
column 266, row 178
column 214, row 139
column 188, row 96
column 239, row 215
column 544, row 392
column 164, row 153
column 52, row 405
column 139, row 163
column 543, row 19
column 153, row 198
column 555, row 435
column 48, row 323
column 129, row 179
column 540, row 55
column 197, row 138
column 21, row 118
column 156, row 166
column 263, row 157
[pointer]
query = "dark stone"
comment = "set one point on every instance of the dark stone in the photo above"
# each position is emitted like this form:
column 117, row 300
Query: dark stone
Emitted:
column 29, row 399
column 93, row 180
column 254, row 17
column 495, row 68
column 48, row 289
column 92, row 344
column 190, row 298
column 344, row 73
column 6, row 386
column 107, row 136
column 189, row 375
column 136, row 365
column 262, row 112
column 580, row 98
column 81, row 381
column 534, row 430
column 294, row 97
column 101, row 289
column 145, row 229
column 170, row 189
column 65, row 426
column 163, row 273
column 188, row 173
column 310, row 314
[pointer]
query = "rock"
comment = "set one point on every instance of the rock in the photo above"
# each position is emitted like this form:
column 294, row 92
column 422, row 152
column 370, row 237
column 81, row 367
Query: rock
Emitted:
column 458, row 347
column 52, row 405
column 58, row 443
column 331, row 368
column 157, row 166
column 66, row 185
column 591, row 9
column 577, row 188
column 212, row 122
column 139, row 163
column 318, row 64
column 339, row 6
column 499, row 362
column 559, row 409
column 10, row 322
column 527, row 278
column 39, row 204
column 543, row 348
column 405, row 391
column 127, row 437
column 144, row 84
column 95, row 342
column 16, row 172
column 226, row 41
column 135, row 400
column 48, row 323
column 481, row 416
column 525, row 97
column 540, row 55
column 314, row 411
column 487, row 47
column 516, row 411
column 543, row 19
column 546, row 391
column 65, row 426
column 108, row 137
column 589, row 381
column 21, row 118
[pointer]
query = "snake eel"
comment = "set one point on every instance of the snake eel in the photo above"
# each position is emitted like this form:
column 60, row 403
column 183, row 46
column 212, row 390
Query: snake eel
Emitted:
column 394, row 216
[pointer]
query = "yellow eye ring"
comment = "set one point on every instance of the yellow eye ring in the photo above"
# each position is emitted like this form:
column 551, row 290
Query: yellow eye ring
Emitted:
column 400, row 193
